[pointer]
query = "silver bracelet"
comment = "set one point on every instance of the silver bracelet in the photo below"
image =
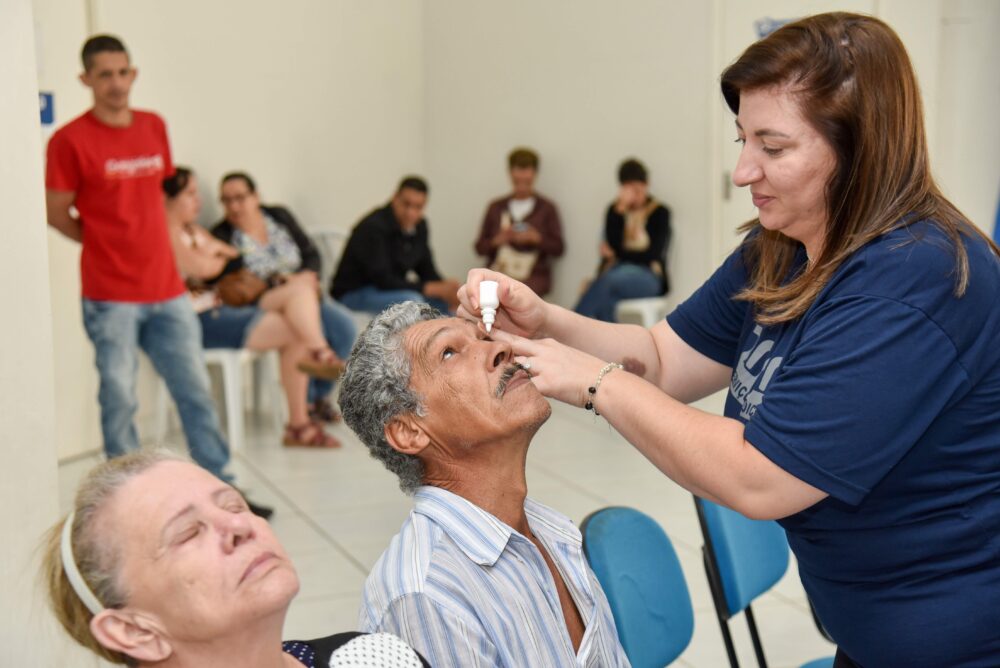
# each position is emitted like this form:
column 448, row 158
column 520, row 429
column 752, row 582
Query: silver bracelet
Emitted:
column 592, row 390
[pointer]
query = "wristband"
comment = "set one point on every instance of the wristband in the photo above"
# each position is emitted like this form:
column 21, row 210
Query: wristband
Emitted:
column 592, row 390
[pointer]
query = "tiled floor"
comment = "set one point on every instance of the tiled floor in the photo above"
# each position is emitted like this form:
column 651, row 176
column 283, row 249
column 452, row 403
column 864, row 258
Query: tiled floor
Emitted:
column 337, row 510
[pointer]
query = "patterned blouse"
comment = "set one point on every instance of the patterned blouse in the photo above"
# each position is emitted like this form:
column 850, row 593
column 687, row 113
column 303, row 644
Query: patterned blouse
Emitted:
column 279, row 255
column 376, row 650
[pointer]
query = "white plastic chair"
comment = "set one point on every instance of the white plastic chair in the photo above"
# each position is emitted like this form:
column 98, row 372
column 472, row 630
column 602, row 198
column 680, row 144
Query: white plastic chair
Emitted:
column 232, row 361
column 646, row 312
column 331, row 242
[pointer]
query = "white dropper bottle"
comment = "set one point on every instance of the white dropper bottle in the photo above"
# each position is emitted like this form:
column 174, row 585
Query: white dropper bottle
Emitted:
column 489, row 302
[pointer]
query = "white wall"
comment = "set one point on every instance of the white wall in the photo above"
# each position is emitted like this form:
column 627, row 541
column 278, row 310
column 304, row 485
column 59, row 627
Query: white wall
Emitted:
column 61, row 29
column 28, row 475
column 967, row 158
column 585, row 84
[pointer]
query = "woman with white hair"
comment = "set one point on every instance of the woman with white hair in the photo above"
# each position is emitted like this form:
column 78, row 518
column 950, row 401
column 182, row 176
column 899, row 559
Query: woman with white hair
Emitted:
column 162, row 564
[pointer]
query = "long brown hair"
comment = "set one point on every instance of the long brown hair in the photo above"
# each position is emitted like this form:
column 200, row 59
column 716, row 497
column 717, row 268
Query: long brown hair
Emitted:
column 854, row 83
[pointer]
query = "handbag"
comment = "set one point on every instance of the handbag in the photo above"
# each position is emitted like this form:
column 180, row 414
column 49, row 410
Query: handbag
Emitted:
column 512, row 262
column 240, row 288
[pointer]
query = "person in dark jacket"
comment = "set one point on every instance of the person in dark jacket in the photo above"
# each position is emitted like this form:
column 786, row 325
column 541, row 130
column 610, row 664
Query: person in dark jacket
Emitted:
column 634, row 251
column 273, row 245
column 388, row 257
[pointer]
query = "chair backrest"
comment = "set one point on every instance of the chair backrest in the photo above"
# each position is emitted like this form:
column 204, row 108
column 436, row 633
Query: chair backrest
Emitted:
column 638, row 569
column 330, row 241
column 750, row 555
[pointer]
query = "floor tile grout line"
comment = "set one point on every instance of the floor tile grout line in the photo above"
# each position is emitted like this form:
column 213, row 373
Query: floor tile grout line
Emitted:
column 569, row 483
column 302, row 514
column 788, row 600
column 79, row 456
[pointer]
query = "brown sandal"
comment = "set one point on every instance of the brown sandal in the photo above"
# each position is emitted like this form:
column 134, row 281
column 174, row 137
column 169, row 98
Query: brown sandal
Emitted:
column 324, row 412
column 308, row 435
column 322, row 363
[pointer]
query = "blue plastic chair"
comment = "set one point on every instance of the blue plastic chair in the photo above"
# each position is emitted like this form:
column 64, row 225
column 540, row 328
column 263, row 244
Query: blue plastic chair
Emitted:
column 638, row 569
column 743, row 559
column 996, row 225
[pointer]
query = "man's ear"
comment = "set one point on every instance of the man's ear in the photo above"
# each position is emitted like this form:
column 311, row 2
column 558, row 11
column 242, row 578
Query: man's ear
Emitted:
column 405, row 434
column 131, row 633
column 84, row 79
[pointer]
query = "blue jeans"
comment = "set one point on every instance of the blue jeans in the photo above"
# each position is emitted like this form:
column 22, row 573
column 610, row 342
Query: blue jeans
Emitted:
column 339, row 330
column 373, row 300
column 169, row 333
column 228, row 326
column 623, row 281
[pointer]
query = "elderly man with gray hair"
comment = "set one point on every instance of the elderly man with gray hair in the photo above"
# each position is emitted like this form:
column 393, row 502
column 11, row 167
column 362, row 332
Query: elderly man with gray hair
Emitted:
column 479, row 574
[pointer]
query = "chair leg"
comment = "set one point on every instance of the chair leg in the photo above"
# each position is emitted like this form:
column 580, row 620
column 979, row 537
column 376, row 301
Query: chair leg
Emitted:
column 259, row 363
column 232, row 387
column 727, row 637
column 276, row 395
column 755, row 637
column 162, row 413
column 649, row 316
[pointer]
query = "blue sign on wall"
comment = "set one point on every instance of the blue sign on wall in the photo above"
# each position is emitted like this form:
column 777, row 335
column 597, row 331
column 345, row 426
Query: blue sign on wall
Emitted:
column 767, row 25
column 45, row 104
column 996, row 225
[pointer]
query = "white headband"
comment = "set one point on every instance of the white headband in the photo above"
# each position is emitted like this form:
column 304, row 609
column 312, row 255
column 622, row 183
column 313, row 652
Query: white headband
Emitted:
column 72, row 572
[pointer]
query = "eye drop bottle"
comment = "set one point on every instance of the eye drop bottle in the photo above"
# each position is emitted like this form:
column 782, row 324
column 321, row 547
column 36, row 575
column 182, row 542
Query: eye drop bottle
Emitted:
column 488, row 303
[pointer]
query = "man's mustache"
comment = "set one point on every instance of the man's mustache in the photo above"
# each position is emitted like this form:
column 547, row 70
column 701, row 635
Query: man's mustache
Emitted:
column 505, row 377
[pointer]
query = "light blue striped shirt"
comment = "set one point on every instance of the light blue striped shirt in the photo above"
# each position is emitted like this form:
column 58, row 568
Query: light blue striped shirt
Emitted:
column 464, row 589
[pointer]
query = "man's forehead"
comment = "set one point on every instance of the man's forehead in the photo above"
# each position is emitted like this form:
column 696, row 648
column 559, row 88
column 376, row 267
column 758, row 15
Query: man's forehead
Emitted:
column 419, row 335
column 412, row 197
column 107, row 60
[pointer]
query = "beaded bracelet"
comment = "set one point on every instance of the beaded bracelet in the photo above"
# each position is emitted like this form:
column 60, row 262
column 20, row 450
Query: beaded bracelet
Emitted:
column 592, row 390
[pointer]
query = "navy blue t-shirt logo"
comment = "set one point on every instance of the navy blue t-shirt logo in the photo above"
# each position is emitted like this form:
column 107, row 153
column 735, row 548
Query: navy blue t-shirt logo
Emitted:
column 752, row 374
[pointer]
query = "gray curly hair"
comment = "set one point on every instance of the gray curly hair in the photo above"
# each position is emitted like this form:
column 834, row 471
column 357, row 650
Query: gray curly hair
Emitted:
column 376, row 387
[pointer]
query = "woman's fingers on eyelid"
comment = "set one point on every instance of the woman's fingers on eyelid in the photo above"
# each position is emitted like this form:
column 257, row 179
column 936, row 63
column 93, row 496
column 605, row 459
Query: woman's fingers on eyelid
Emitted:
column 518, row 345
column 500, row 335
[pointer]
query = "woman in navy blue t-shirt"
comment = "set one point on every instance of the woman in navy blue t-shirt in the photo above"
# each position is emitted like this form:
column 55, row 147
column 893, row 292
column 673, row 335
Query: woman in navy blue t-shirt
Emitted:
column 857, row 330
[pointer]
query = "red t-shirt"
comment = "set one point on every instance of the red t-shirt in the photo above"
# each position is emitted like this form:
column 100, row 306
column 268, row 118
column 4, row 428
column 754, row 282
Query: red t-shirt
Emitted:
column 116, row 174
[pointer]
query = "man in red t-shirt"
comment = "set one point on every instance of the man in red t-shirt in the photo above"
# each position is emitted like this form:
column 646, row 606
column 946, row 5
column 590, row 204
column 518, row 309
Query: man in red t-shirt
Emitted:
column 108, row 165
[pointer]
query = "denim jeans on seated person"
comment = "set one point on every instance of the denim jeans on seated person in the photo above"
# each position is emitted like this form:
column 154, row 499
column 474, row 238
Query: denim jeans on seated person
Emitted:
column 340, row 331
column 169, row 333
column 374, row 301
column 623, row 281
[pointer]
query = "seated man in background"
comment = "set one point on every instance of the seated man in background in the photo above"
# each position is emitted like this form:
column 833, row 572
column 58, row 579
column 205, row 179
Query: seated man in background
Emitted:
column 634, row 251
column 274, row 246
column 521, row 232
column 388, row 258
column 479, row 575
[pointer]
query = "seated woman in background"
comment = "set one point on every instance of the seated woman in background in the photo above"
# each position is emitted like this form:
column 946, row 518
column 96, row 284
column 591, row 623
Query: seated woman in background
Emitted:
column 285, row 318
column 162, row 564
column 634, row 251
column 274, row 245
